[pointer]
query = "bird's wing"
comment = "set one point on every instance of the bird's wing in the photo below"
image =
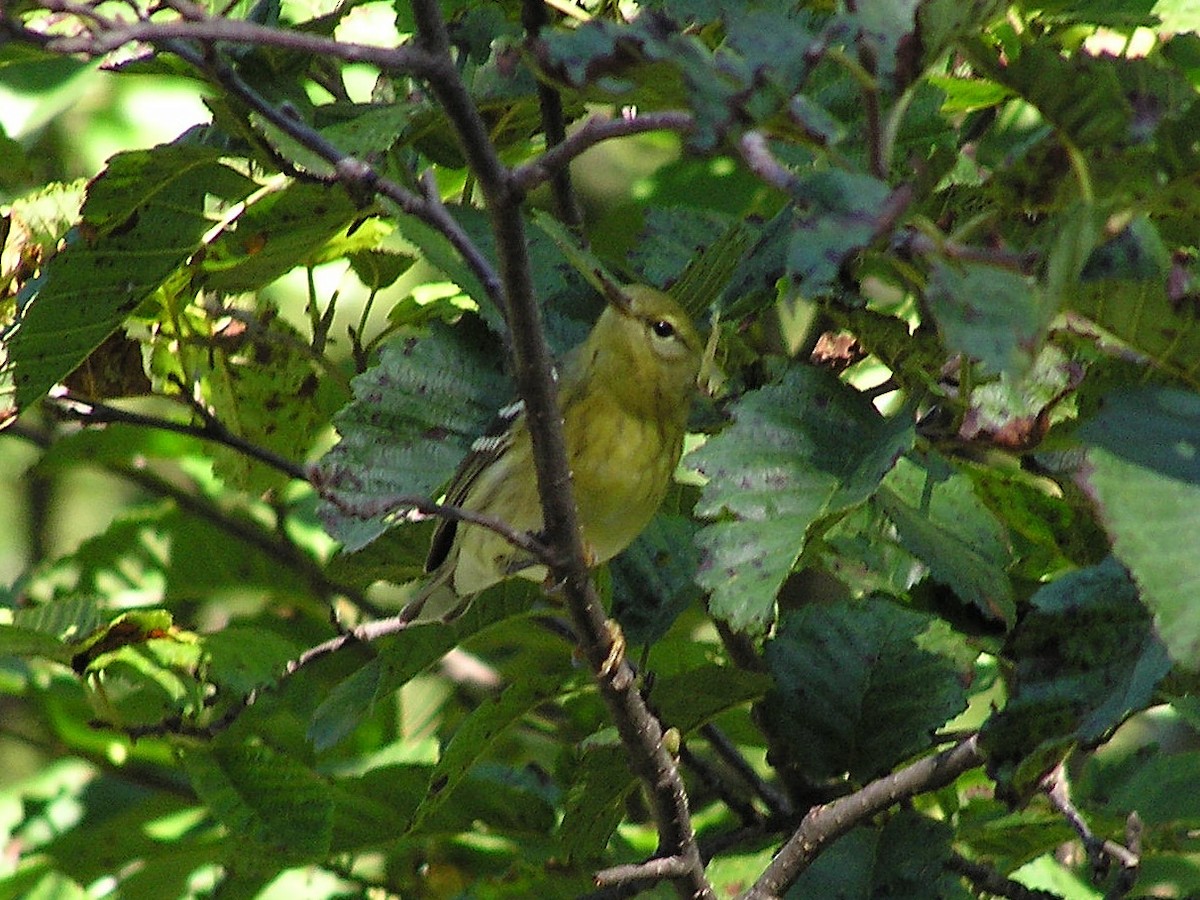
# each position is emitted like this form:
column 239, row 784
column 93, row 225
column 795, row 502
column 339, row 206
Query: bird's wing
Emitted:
column 486, row 451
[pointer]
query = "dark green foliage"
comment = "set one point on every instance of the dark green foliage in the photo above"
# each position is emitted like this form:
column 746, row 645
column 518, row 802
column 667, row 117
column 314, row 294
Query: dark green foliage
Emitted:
column 944, row 480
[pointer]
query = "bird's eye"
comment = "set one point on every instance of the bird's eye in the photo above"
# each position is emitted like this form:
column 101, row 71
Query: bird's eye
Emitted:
column 662, row 328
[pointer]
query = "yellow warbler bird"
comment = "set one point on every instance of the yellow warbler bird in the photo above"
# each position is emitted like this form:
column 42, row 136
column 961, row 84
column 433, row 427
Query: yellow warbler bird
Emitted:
column 624, row 395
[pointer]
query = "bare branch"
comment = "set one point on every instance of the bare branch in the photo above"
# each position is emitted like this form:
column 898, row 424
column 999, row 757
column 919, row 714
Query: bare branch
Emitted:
column 566, row 206
column 988, row 879
column 376, row 507
column 93, row 412
column 823, row 824
column 1100, row 851
column 205, row 30
column 592, row 132
column 762, row 162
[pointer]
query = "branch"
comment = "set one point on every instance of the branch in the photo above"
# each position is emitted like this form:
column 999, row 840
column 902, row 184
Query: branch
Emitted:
column 992, row 882
column 1099, row 850
column 392, row 504
column 534, row 16
column 824, row 824
column 93, row 412
column 184, row 38
column 363, row 634
column 641, row 733
column 359, row 178
column 199, row 28
column 592, row 132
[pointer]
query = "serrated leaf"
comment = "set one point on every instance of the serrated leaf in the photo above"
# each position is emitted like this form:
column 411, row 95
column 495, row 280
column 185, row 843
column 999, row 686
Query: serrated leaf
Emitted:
column 157, row 554
column 854, row 691
column 478, row 731
column 378, row 269
column 241, row 658
column 1161, row 789
column 1143, row 316
column 670, row 240
column 407, row 654
column 1143, row 472
column 839, row 218
column 143, row 217
column 437, row 249
column 652, row 578
column 944, row 525
column 994, row 315
column 278, row 811
column 1085, row 657
column 602, row 780
column 268, row 394
column 283, row 229
column 413, row 417
column 16, row 641
column 595, row 801
column 906, row 858
column 799, row 450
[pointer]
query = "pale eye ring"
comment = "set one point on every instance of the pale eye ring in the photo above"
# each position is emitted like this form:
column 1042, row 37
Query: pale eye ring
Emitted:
column 662, row 328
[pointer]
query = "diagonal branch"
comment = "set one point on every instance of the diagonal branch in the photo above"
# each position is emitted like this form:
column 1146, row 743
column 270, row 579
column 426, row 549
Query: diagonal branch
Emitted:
column 595, row 130
column 824, row 824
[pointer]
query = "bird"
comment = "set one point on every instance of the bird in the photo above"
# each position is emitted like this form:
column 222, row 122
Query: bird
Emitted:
column 624, row 395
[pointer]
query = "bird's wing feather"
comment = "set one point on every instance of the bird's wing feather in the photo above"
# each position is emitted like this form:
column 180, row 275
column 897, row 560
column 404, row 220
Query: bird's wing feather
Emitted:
column 486, row 450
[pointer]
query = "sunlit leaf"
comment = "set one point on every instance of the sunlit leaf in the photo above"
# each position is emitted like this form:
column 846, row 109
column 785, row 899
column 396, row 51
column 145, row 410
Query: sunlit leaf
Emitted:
column 805, row 448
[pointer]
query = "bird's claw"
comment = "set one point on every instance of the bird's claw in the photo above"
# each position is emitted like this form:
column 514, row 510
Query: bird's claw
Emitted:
column 616, row 649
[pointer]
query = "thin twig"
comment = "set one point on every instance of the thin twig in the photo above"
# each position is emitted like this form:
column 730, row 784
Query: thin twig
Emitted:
column 823, row 824
column 112, row 35
column 375, row 507
column 93, row 412
column 992, row 882
column 1099, row 850
column 592, row 132
column 777, row 802
column 566, row 205
column 762, row 162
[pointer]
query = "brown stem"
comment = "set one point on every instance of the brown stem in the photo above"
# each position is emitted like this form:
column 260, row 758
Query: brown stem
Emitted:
column 640, row 731
column 823, row 824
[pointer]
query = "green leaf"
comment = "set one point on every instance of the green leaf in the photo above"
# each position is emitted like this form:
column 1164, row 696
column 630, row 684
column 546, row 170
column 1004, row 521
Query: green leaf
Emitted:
column 942, row 523
column 283, row 229
column 653, row 578
column 241, row 658
column 143, row 217
column 601, row 779
column 413, row 417
column 267, row 392
column 994, row 315
column 1159, row 788
column 1144, row 474
column 408, row 654
column 379, row 269
column 159, row 554
column 907, row 858
column 806, row 448
column 854, row 690
column 277, row 811
column 839, row 218
column 1085, row 658
column 15, row 641
column 600, row 783
column 478, row 731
